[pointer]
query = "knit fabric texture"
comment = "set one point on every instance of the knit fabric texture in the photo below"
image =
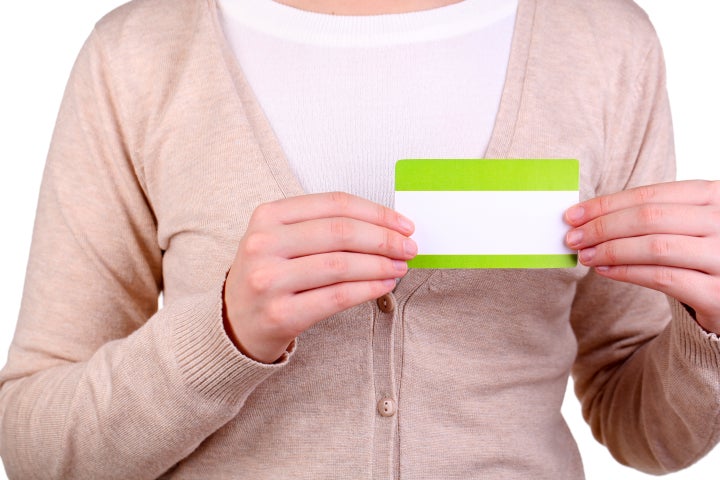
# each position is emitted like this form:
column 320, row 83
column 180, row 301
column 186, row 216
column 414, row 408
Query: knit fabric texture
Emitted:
column 160, row 155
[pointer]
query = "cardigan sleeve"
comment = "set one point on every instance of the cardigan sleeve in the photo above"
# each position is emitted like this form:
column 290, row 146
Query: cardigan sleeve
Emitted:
column 647, row 375
column 98, row 383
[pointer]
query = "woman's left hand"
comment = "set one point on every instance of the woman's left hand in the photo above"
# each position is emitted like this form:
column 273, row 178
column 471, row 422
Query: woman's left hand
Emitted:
column 664, row 236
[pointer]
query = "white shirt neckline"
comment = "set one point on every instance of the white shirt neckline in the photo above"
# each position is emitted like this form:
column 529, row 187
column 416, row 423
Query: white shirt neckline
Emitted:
column 301, row 26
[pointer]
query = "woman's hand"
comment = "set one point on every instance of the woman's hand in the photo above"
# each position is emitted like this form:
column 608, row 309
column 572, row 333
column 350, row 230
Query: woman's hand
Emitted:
column 306, row 258
column 664, row 236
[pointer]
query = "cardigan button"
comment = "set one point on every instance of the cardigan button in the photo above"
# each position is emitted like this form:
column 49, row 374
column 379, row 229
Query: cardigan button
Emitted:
column 387, row 407
column 386, row 303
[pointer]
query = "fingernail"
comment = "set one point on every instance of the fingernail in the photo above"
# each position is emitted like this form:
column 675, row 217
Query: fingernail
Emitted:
column 575, row 214
column 399, row 265
column 602, row 268
column 587, row 254
column 406, row 223
column 574, row 237
column 389, row 283
column 410, row 247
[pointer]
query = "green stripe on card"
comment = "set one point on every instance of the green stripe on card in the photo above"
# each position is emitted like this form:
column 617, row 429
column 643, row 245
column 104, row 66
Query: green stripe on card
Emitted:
column 486, row 174
column 494, row 261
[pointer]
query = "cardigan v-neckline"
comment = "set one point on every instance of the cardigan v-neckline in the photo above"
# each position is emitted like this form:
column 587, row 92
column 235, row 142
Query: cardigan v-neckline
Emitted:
column 272, row 152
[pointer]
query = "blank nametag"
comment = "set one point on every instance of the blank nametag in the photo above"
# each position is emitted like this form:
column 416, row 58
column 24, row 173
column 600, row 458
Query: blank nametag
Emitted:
column 488, row 213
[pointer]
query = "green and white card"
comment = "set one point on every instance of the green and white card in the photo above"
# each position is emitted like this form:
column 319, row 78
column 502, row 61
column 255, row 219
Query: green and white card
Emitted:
column 488, row 213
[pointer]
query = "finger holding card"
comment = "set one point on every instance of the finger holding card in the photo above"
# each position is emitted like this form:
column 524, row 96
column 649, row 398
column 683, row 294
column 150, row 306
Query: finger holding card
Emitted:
column 664, row 236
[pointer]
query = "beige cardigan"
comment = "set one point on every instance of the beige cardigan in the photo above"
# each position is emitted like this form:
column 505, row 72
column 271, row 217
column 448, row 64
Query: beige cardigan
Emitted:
column 159, row 157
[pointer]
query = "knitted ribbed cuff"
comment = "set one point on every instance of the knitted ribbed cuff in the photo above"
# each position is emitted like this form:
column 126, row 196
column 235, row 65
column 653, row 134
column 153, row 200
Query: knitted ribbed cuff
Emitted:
column 696, row 345
column 209, row 361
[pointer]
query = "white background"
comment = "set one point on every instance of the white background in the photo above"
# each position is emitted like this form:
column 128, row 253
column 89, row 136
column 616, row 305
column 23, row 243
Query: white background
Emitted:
column 38, row 43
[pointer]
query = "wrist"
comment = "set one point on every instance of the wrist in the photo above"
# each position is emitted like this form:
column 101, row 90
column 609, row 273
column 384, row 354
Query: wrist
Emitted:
column 710, row 325
column 268, row 354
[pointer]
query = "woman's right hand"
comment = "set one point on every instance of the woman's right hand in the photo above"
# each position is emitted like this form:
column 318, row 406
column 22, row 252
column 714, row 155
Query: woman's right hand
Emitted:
column 305, row 258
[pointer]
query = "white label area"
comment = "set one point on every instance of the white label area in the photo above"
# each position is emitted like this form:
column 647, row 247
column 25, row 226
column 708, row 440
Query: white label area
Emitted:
column 487, row 222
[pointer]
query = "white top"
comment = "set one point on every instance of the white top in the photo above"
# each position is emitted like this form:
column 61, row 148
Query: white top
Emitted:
column 347, row 96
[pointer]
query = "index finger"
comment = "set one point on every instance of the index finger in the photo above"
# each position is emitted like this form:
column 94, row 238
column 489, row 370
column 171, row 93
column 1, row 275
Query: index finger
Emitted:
column 332, row 204
column 689, row 192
